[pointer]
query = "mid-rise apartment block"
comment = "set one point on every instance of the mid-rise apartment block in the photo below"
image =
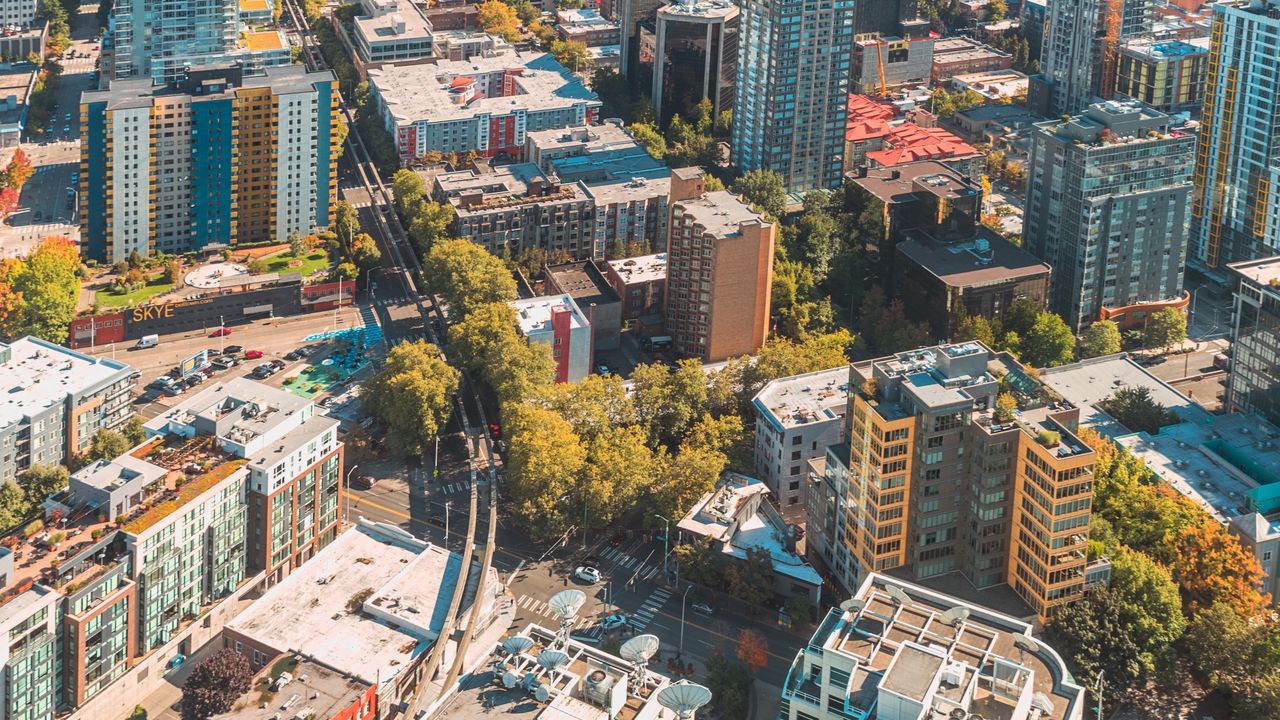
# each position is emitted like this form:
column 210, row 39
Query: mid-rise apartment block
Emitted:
column 560, row 324
column 29, row 620
column 483, row 104
column 1253, row 384
column 585, row 282
column 390, row 31
column 1081, row 51
column 55, row 401
column 219, row 157
column 797, row 418
column 792, row 87
column 943, row 481
column 1236, row 205
column 1108, row 201
column 883, row 62
column 17, row 12
column 900, row 651
column 641, row 282
column 962, row 55
column 1168, row 75
column 719, row 271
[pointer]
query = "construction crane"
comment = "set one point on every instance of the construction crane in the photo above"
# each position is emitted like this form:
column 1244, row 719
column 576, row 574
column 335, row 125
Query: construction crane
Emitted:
column 880, row 43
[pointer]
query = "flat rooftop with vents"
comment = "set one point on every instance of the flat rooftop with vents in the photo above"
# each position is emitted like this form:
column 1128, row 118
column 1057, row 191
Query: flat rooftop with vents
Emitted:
column 802, row 399
column 646, row 268
column 36, row 375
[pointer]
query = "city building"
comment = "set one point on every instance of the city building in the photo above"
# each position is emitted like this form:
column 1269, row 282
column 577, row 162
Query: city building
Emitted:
column 908, row 143
column 695, row 57
column 641, row 282
column 16, row 84
column 1107, row 207
column 513, row 208
column 868, row 121
column 994, row 85
column 451, row 16
column 792, row 89
column 587, row 26
column 826, row 504
column 327, row 693
column 1080, row 52
column 481, row 104
column 737, row 517
column 881, row 62
column 719, row 271
column 899, row 651
column 163, row 41
column 949, row 277
column 628, row 188
column 1235, row 208
column 370, row 607
column 882, row 16
column 1168, row 75
column 590, row 684
column 585, row 282
column 218, row 158
column 18, row 13
column 797, row 418
column 635, row 20
column 29, row 619
column 558, row 323
column 462, row 44
column 391, row 30
column 1253, row 385
column 941, row 481
column 55, row 401
column 962, row 55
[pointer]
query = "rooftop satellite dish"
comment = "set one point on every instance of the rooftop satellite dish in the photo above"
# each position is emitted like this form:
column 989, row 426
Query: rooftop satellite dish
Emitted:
column 1024, row 642
column 639, row 649
column 566, row 603
column 853, row 605
column 954, row 616
column 517, row 644
column 509, row 680
column 898, row 594
column 552, row 659
column 1041, row 702
column 542, row 693
column 683, row 698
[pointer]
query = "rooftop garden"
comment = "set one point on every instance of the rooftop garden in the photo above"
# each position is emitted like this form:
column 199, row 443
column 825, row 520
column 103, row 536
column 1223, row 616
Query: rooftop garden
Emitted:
column 174, row 499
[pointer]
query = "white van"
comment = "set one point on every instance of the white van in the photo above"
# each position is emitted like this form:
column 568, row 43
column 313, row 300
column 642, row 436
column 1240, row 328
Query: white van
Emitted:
column 147, row 341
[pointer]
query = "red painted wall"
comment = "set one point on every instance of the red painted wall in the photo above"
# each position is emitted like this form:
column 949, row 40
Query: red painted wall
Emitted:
column 561, row 324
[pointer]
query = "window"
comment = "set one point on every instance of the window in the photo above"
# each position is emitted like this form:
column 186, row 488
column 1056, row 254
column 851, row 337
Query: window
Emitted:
column 797, row 440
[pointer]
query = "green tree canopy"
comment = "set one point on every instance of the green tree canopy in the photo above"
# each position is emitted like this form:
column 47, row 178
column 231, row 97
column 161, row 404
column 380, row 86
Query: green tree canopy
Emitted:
column 1166, row 328
column 1049, row 343
column 1137, row 410
column 108, row 445
column 1102, row 338
column 467, row 275
column 545, row 457
column 413, row 395
column 763, row 189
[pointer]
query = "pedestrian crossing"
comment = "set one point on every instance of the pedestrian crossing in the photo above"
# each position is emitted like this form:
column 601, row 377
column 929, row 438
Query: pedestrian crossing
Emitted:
column 538, row 607
column 639, row 570
column 454, row 488
column 383, row 302
column 641, row 618
column 372, row 330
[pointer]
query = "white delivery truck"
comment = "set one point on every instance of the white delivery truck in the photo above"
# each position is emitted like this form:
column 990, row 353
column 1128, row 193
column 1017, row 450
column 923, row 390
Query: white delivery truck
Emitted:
column 147, row 341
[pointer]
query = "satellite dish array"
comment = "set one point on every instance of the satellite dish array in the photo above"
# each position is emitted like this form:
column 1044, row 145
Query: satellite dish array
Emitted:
column 637, row 651
column 683, row 698
column 566, row 604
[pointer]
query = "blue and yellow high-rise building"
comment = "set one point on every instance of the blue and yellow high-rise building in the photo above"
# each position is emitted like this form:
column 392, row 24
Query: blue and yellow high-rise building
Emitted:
column 220, row 157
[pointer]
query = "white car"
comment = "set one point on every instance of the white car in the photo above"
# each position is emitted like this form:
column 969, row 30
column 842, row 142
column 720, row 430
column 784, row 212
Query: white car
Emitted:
column 586, row 573
column 703, row 608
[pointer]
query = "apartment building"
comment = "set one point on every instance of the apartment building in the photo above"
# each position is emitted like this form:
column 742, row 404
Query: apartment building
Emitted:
column 797, row 418
column 1235, row 207
column 1108, row 203
column 55, row 401
column 482, row 104
column 719, row 271
column 941, row 481
column 1253, row 385
column 390, row 31
column 163, row 40
column 791, row 89
column 962, row 55
column 585, row 282
column 560, row 324
column 512, row 208
column 880, row 62
column 1168, row 75
column 641, row 283
column 1080, row 51
column 900, row 651
column 219, row 157
column 18, row 12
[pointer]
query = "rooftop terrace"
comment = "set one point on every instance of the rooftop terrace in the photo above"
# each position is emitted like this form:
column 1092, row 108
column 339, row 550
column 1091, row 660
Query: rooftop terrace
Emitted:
column 311, row 686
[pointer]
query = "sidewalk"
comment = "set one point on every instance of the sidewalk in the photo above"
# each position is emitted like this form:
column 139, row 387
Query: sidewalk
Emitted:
column 159, row 702
column 765, row 700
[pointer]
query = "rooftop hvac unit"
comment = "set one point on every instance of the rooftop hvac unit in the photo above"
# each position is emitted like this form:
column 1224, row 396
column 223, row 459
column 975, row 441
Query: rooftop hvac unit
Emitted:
column 596, row 687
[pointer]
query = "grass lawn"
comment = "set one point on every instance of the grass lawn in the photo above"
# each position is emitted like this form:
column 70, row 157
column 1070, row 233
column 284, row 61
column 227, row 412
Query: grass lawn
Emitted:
column 314, row 262
column 108, row 298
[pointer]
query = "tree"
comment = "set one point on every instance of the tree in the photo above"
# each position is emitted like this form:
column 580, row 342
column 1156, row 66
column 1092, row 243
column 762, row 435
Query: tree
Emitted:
column 572, row 54
column 344, row 271
column 467, row 275
column 413, row 395
column 171, row 271
column 692, row 473
column 1094, row 637
column 1150, row 606
column 1049, row 343
column 13, row 505
column 1102, row 338
column 652, row 140
column 1006, row 405
column 108, row 445
column 942, row 103
column 753, row 650
column 430, row 224
column 1021, row 315
column 41, row 481
column 997, row 10
column 297, row 245
column 214, row 685
column 18, row 171
column 751, row 580
column 1138, row 411
column 499, row 18
column 139, row 713
column 765, row 190
column 409, row 189
column 725, row 434
column 592, row 405
column 697, row 562
column 133, row 430
column 1166, row 328
column 975, row 327
column 50, row 288
column 1238, row 656
column 365, row 253
column 544, row 457
column 730, row 686
column 620, row 467
column 11, row 304
column 885, row 326
column 1212, row 566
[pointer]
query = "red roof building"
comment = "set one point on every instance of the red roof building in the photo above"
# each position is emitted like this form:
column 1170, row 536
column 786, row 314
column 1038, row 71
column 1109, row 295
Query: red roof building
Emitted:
column 909, row 142
column 869, row 121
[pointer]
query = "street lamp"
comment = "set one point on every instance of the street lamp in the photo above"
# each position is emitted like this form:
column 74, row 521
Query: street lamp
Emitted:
column 683, row 599
column 666, row 539
column 347, row 493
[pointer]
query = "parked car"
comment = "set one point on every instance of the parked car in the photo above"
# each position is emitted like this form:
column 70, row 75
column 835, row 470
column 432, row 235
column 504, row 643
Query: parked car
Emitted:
column 264, row 371
column 614, row 622
column 364, row 482
column 194, row 379
column 495, row 431
column 602, row 369
column 220, row 332
column 232, row 350
column 252, row 354
column 278, row 364
column 295, row 354
column 436, row 519
column 586, row 573
column 701, row 607
column 161, row 381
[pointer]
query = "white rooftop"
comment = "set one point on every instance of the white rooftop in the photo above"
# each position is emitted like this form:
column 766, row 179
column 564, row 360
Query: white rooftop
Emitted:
column 243, row 410
column 1265, row 271
column 720, row 213
column 534, row 314
column 429, row 93
column 802, row 399
column 40, row 374
column 645, row 268
column 1089, row 382
column 400, row 587
column 391, row 20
